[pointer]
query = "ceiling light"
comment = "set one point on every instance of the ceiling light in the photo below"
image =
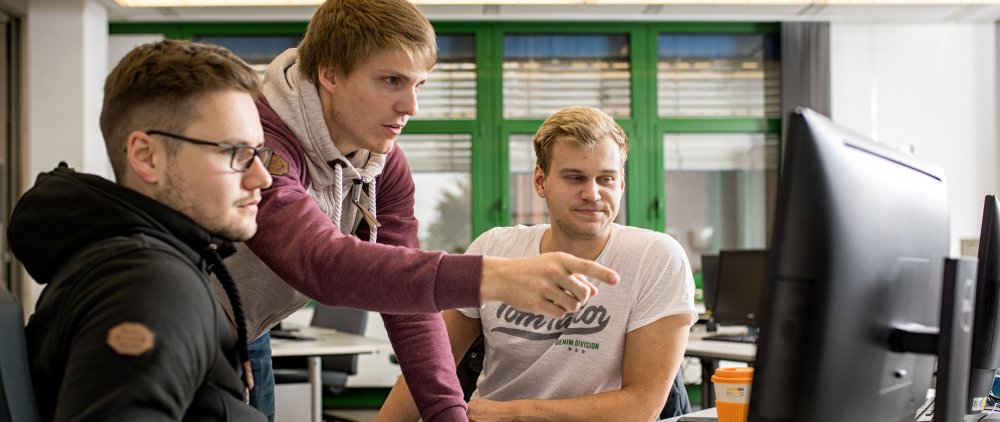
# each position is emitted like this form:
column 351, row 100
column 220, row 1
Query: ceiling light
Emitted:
column 224, row 3
column 206, row 3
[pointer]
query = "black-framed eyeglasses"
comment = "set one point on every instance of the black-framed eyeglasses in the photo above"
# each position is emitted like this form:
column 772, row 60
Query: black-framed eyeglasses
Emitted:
column 241, row 156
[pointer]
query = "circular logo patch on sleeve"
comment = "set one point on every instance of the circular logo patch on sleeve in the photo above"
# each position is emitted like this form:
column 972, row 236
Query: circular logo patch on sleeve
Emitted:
column 278, row 166
column 131, row 339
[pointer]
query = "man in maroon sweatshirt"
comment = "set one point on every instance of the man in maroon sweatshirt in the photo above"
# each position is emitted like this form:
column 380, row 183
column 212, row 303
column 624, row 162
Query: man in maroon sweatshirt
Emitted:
column 331, row 111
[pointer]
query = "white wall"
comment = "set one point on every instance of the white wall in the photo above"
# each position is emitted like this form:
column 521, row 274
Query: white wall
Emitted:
column 66, row 62
column 120, row 45
column 66, row 44
column 929, row 86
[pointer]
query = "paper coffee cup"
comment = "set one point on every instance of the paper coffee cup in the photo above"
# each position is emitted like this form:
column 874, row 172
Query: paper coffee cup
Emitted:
column 732, row 393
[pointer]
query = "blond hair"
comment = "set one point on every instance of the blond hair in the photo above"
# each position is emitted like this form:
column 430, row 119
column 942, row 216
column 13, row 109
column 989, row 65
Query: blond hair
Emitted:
column 157, row 86
column 581, row 126
column 344, row 33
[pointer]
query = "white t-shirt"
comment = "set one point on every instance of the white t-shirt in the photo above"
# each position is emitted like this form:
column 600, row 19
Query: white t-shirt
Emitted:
column 538, row 357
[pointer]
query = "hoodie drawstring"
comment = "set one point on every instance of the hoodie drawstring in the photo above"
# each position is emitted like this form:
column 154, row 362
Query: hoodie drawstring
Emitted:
column 371, row 208
column 338, row 192
column 338, row 200
column 216, row 266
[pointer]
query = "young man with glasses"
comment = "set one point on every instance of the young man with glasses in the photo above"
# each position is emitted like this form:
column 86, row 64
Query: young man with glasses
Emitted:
column 127, row 327
column 332, row 110
column 615, row 358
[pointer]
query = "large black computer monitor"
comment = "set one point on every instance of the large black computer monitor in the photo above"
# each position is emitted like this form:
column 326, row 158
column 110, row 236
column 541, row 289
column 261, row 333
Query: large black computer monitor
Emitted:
column 741, row 279
column 986, row 329
column 860, row 235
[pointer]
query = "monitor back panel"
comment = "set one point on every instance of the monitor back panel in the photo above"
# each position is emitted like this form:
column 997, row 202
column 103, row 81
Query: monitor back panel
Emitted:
column 741, row 279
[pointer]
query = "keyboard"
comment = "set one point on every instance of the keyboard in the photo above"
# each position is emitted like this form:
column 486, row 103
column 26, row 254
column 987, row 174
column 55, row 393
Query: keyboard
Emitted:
column 735, row 338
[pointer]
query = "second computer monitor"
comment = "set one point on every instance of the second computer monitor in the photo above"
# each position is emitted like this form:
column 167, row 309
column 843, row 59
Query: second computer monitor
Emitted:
column 741, row 278
column 709, row 280
column 986, row 324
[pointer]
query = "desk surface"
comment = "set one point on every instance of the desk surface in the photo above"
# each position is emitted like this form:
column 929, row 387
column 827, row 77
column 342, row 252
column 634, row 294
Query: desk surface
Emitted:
column 985, row 416
column 708, row 413
column 328, row 342
column 724, row 350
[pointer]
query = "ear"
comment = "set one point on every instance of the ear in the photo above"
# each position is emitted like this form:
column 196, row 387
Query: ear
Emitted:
column 144, row 157
column 539, row 180
column 327, row 79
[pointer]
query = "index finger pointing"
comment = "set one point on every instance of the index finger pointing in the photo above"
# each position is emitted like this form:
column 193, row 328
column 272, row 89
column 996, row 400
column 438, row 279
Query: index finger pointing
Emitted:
column 592, row 269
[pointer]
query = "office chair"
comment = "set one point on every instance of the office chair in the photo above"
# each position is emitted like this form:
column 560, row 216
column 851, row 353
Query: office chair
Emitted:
column 336, row 369
column 678, row 403
column 17, row 396
column 471, row 366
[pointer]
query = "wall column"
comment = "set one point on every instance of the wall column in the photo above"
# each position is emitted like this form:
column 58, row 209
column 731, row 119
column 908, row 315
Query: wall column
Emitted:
column 66, row 49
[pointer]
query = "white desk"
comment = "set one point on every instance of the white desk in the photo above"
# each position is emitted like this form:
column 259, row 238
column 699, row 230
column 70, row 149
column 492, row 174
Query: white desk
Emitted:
column 710, row 352
column 328, row 342
column 711, row 413
column 720, row 350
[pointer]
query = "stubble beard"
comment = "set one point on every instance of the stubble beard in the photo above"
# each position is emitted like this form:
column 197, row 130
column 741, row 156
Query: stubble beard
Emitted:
column 172, row 195
column 570, row 229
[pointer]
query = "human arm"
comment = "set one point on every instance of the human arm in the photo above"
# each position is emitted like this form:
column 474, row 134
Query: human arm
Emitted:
column 651, row 359
column 420, row 341
column 462, row 331
column 552, row 283
column 300, row 243
column 326, row 265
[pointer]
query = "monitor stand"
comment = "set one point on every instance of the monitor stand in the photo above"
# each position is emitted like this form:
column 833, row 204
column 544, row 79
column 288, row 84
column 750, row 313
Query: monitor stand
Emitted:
column 709, row 323
column 952, row 342
column 955, row 341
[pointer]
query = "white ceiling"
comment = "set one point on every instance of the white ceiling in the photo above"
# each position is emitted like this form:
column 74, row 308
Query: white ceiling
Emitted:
column 838, row 13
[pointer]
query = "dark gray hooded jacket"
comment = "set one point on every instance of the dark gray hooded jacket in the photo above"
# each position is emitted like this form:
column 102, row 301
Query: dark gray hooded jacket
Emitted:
column 127, row 327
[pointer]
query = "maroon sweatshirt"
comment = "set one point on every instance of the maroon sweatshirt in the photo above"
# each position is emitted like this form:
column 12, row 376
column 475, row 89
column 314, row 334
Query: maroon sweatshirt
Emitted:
column 408, row 286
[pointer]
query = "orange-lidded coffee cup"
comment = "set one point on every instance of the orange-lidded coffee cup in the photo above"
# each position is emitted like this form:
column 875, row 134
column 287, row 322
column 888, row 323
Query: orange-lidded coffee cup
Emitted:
column 732, row 393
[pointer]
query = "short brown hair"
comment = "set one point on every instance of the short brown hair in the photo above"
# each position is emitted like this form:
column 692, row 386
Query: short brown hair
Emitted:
column 344, row 33
column 582, row 126
column 157, row 86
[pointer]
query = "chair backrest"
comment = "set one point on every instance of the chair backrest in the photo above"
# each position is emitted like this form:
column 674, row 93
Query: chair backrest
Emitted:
column 17, row 396
column 342, row 319
column 471, row 366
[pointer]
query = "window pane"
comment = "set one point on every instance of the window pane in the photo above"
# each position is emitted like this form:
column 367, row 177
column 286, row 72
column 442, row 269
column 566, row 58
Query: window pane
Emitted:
column 719, row 75
column 450, row 91
column 440, row 165
column 720, row 190
column 256, row 50
column 525, row 205
column 544, row 73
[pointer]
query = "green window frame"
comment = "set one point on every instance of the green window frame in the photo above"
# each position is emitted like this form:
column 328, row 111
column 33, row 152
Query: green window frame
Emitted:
column 645, row 205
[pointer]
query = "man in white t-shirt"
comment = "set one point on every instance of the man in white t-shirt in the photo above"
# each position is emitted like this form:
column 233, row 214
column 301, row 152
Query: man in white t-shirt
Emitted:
column 616, row 357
